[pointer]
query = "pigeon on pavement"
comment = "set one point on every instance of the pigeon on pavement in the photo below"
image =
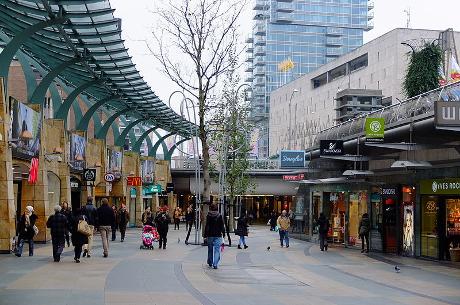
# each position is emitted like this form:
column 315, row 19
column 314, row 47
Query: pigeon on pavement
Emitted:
column 397, row 269
column 268, row 248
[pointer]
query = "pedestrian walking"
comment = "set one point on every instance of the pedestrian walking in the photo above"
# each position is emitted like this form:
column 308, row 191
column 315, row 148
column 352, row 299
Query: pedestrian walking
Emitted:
column 242, row 231
column 189, row 220
column 26, row 231
column 177, row 215
column 90, row 211
column 214, row 233
column 283, row 222
column 364, row 228
column 105, row 221
column 323, row 229
column 272, row 221
column 59, row 226
column 115, row 223
column 162, row 221
column 147, row 217
column 78, row 239
column 67, row 212
column 123, row 220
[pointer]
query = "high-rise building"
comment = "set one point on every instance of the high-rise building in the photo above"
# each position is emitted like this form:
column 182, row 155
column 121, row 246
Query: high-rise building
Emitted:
column 293, row 37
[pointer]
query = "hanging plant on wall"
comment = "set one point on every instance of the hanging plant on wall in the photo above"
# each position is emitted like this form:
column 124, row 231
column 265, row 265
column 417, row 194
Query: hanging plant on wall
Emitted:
column 423, row 71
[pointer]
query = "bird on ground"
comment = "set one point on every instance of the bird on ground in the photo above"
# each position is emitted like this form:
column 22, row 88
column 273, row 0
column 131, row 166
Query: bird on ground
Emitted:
column 397, row 269
column 268, row 248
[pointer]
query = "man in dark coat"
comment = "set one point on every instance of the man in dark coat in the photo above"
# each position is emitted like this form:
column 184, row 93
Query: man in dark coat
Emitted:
column 323, row 229
column 59, row 227
column 214, row 232
column 242, row 231
column 123, row 219
column 105, row 221
column 162, row 221
column 90, row 211
column 364, row 229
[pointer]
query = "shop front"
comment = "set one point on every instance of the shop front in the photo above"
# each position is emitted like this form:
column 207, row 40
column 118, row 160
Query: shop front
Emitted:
column 440, row 218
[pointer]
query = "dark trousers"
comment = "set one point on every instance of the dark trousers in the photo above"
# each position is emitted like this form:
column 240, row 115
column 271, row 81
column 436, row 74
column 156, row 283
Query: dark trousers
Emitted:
column 122, row 232
column 114, row 233
column 78, row 249
column 322, row 241
column 58, row 247
column 189, row 224
column 20, row 246
column 176, row 223
column 163, row 238
column 365, row 237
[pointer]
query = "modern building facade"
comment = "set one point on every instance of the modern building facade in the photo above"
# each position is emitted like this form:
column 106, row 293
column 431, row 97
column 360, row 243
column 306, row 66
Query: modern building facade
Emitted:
column 363, row 80
column 293, row 37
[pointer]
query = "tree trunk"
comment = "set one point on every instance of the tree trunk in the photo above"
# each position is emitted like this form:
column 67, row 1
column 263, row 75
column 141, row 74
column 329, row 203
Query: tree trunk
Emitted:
column 206, row 198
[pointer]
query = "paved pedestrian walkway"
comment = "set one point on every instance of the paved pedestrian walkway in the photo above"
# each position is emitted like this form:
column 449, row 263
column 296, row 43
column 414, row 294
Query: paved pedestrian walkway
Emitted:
column 301, row 274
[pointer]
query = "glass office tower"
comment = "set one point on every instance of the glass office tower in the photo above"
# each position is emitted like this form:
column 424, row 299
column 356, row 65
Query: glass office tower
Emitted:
column 294, row 37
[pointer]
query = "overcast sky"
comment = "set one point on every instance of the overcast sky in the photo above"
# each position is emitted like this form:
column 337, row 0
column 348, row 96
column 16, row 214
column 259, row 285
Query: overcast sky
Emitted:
column 137, row 22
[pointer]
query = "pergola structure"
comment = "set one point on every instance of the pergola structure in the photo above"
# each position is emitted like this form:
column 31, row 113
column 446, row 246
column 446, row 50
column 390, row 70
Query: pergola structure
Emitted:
column 78, row 45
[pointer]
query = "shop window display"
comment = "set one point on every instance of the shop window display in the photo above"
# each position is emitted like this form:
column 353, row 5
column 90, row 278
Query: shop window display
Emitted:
column 408, row 199
column 429, row 231
column 453, row 223
column 337, row 217
column 357, row 207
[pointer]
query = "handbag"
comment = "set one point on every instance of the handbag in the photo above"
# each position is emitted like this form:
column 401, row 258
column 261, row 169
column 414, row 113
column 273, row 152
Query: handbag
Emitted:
column 35, row 230
column 362, row 231
column 84, row 228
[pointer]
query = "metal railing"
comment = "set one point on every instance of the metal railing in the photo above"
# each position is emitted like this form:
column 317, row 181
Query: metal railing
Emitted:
column 254, row 164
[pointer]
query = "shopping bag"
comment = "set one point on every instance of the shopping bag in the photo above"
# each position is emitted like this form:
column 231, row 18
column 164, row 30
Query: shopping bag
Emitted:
column 84, row 228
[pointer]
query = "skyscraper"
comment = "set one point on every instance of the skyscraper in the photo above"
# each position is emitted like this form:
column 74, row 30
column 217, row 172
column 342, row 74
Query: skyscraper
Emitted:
column 294, row 37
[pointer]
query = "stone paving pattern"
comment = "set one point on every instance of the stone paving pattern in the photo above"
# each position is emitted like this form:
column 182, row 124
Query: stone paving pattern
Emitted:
column 299, row 275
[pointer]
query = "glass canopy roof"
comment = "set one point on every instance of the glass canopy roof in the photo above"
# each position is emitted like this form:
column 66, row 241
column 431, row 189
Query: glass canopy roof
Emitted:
column 92, row 33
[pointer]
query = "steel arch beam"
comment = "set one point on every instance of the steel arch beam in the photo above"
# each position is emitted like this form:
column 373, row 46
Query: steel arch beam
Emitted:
column 39, row 93
column 170, row 152
column 153, row 153
column 137, row 145
column 13, row 46
column 62, row 112
column 102, row 134
column 163, row 144
column 83, row 125
column 120, row 140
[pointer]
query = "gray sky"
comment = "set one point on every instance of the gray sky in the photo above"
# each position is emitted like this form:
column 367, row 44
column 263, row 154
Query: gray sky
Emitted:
column 137, row 22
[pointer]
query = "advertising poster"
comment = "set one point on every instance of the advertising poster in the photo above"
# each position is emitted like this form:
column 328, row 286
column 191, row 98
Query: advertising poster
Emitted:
column 408, row 230
column 77, row 152
column 115, row 161
column 25, row 130
column 375, row 130
column 147, row 171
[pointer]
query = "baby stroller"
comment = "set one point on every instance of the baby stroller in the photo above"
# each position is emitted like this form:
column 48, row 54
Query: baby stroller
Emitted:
column 149, row 235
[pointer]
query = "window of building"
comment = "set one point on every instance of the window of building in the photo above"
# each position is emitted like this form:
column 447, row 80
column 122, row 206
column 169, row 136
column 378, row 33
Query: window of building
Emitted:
column 359, row 63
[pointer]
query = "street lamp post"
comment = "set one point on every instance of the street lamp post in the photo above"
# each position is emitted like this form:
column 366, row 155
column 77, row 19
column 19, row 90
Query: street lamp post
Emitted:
column 289, row 132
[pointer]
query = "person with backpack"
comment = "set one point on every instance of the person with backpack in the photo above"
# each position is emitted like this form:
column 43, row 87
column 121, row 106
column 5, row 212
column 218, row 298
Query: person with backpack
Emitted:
column 90, row 211
column 323, row 229
column 26, row 231
column 214, row 232
column 162, row 221
column 123, row 220
column 59, row 227
column 364, row 229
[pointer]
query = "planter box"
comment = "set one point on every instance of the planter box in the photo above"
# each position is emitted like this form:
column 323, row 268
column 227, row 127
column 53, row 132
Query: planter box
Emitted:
column 455, row 254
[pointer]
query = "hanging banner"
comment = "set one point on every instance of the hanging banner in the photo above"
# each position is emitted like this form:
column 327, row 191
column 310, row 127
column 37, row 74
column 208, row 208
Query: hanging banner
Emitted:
column 77, row 152
column 375, row 130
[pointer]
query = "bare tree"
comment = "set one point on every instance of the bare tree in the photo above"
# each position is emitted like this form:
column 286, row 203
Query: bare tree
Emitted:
column 193, row 42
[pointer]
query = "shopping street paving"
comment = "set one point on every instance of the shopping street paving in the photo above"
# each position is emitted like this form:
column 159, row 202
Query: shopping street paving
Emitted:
column 179, row 275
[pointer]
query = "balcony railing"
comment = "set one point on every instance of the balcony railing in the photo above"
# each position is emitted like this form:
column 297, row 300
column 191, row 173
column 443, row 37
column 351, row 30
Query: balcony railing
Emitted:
column 259, row 164
column 285, row 7
column 259, row 71
column 334, row 32
column 260, row 41
column 259, row 51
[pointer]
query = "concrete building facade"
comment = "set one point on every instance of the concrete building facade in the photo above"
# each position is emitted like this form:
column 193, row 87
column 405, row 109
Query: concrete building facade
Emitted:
column 311, row 103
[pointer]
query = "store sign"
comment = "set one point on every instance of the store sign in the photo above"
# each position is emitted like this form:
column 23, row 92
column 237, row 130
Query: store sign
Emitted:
column 109, row 177
column 331, row 148
column 292, row 159
column 375, row 129
column 75, row 185
column 389, row 191
column 448, row 186
column 293, row 177
column 89, row 174
column 134, row 181
column 169, row 187
column 447, row 114
column 152, row 189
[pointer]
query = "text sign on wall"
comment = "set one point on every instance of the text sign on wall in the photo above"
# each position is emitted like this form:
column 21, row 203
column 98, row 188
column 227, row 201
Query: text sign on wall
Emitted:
column 448, row 186
column 292, row 159
column 331, row 148
column 447, row 114
column 134, row 181
column 293, row 177
column 375, row 129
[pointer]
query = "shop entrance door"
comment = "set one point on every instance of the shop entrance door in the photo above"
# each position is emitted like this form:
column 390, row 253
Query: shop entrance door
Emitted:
column 75, row 193
column 390, row 225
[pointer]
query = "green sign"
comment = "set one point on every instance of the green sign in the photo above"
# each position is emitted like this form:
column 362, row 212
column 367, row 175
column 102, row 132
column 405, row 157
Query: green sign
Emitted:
column 152, row 189
column 448, row 186
column 375, row 129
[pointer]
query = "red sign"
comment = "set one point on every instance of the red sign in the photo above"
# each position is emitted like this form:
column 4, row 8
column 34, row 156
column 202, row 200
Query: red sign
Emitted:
column 293, row 177
column 134, row 181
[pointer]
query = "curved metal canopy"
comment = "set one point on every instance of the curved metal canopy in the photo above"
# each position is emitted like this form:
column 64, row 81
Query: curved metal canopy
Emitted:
column 91, row 33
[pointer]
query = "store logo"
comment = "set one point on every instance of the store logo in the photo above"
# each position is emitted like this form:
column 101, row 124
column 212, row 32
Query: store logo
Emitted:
column 431, row 206
column 331, row 148
column 375, row 126
column 434, row 187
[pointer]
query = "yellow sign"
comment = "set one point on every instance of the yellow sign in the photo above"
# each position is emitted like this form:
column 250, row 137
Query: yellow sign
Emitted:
column 286, row 65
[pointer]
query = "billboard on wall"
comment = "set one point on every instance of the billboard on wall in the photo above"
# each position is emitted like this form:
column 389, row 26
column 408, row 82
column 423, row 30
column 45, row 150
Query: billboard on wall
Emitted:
column 115, row 159
column 331, row 148
column 77, row 152
column 25, row 130
column 147, row 171
column 292, row 159
column 375, row 130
